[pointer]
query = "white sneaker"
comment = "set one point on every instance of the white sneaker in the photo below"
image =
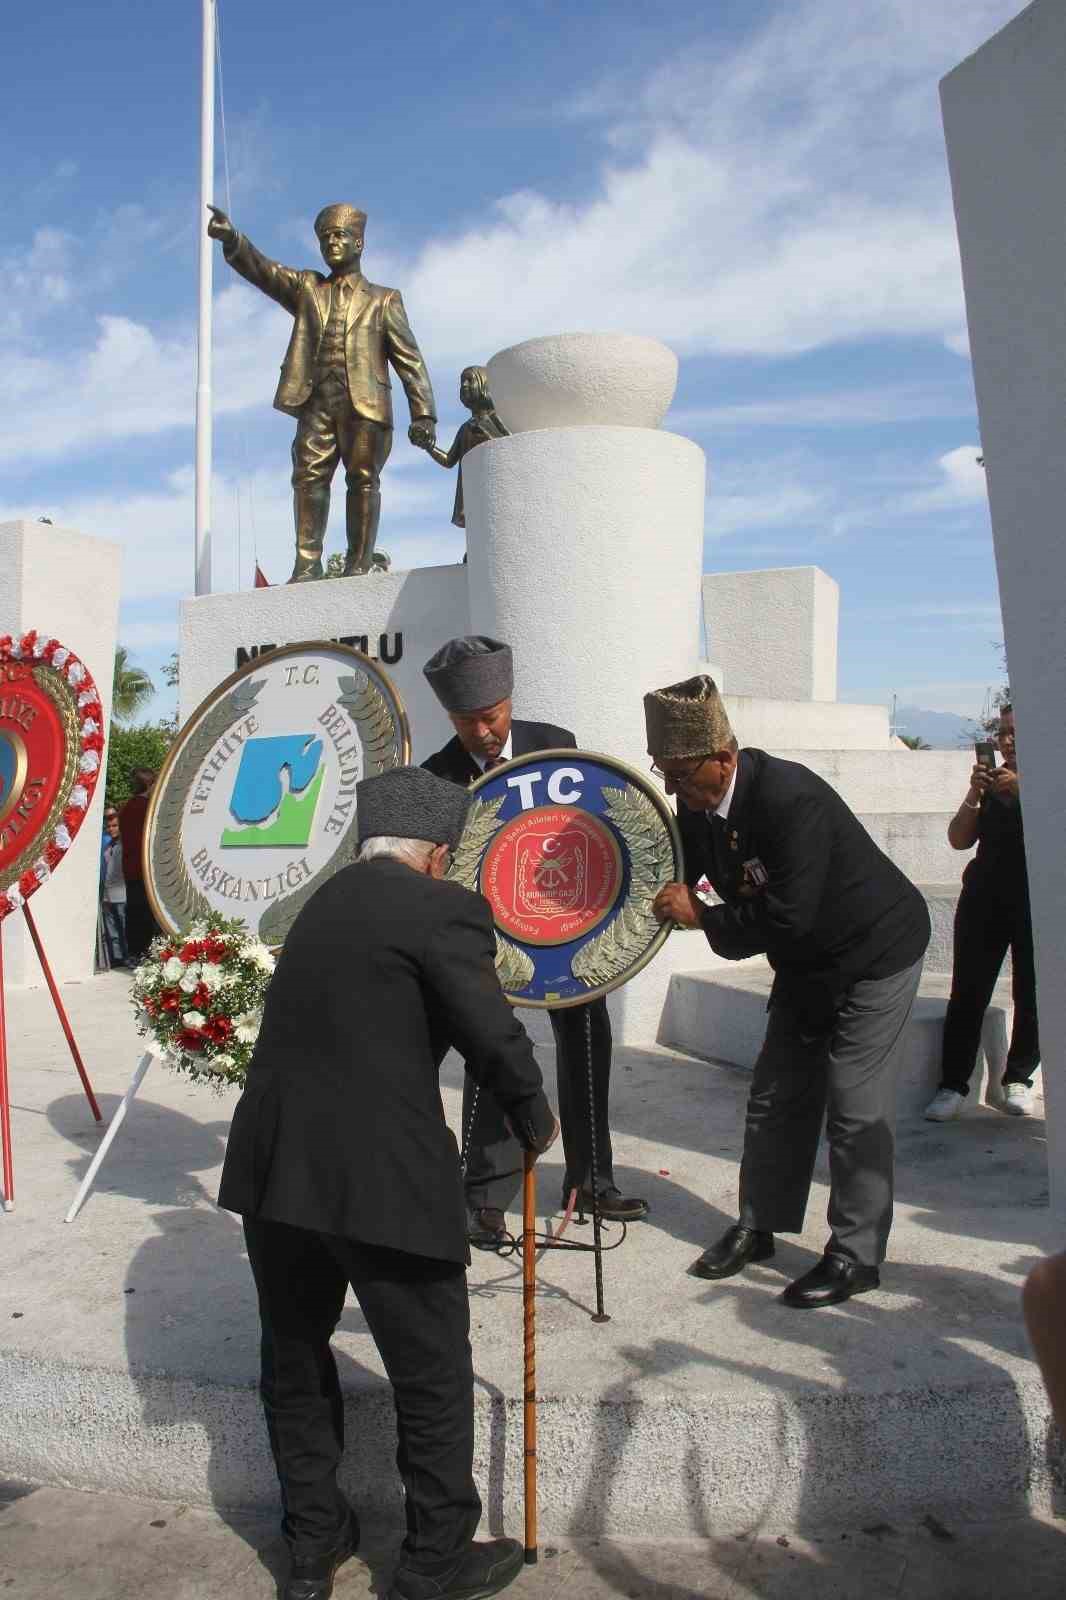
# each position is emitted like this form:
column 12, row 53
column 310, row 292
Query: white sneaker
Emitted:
column 1017, row 1100
column 944, row 1105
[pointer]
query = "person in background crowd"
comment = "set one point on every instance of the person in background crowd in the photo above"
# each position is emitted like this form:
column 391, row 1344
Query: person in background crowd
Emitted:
column 141, row 926
column 345, row 1172
column 802, row 881
column 113, row 890
column 992, row 917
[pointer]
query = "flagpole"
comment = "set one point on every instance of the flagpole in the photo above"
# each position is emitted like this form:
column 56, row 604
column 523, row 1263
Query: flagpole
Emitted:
column 203, row 342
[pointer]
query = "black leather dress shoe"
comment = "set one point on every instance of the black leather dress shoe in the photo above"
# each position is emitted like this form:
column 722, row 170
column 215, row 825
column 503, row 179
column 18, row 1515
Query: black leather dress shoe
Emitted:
column 737, row 1246
column 614, row 1205
column 487, row 1228
column 483, row 1570
column 311, row 1577
column 835, row 1278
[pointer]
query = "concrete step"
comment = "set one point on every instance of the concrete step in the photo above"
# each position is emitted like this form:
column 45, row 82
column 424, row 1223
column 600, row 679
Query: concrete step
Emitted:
column 720, row 1015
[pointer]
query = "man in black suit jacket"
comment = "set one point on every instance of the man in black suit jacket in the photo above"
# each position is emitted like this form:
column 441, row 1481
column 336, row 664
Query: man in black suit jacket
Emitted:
column 802, row 882
column 343, row 1167
column 473, row 678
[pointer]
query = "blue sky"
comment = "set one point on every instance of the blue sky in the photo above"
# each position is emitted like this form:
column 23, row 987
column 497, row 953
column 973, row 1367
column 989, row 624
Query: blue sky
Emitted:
column 761, row 185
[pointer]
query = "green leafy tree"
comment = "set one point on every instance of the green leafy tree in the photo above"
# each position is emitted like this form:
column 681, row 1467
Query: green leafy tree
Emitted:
column 131, row 687
column 914, row 741
column 129, row 748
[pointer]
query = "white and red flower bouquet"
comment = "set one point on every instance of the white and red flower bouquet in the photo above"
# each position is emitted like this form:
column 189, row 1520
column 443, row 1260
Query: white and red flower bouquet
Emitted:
column 199, row 998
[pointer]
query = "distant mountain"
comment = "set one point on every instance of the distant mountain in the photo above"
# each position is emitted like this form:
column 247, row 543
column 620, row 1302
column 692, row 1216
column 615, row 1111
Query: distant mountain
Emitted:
column 943, row 730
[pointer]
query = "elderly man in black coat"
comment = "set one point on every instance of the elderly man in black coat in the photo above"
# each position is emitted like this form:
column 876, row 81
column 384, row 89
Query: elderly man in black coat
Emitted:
column 802, row 882
column 343, row 1168
column 473, row 678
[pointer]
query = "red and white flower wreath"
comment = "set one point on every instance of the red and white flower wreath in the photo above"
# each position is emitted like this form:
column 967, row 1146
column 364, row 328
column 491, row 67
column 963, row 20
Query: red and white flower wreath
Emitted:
column 32, row 648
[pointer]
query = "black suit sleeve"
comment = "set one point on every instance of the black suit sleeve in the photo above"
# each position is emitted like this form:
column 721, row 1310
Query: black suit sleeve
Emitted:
column 796, row 844
column 459, row 966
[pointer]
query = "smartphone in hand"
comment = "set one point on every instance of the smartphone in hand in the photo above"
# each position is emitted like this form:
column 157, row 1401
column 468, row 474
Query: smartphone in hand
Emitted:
column 985, row 751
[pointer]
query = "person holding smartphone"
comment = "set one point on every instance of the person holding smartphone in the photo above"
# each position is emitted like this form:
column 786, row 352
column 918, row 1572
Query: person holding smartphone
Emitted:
column 992, row 917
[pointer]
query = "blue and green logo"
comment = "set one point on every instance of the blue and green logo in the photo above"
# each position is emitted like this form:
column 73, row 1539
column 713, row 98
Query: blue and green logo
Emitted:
column 275, row 792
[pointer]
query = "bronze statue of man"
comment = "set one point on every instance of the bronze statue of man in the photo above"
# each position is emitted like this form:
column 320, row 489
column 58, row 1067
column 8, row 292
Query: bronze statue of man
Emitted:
column 335, row 379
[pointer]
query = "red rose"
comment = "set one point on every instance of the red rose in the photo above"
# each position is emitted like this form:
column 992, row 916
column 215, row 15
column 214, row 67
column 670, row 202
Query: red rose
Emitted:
column 218, row 1029
column 201, row 997
column 92, row 741
column 28, row 883
column 28, row 641
column 165, row 955
column 50, row 648
column 214, row 949
column 190, row 951
column 5, row 644
column 191, row 1039
column 5, row 905
column 53, row 856
column 170, row 999
column 72, row 819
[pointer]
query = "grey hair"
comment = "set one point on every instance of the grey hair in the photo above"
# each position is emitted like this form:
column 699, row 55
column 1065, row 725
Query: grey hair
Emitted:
column 413, row 852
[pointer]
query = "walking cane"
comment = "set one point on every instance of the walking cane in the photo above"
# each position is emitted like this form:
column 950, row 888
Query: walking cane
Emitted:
column 529, row 1352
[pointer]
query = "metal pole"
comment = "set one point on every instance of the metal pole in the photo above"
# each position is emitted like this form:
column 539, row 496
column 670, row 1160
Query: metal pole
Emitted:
column 597, row 1224
column 203, row 342
column 5, row 1098
column 64, row 1020
column 529, row 1353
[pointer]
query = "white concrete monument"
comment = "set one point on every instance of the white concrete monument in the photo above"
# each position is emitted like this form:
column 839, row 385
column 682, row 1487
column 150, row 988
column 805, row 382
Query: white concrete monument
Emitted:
column 46, row 573
column 1005, row 120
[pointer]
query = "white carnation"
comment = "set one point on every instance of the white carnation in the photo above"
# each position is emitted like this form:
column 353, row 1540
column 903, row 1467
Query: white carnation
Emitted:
column 79, row 797
column 225, row 1062
column 193, row 1019
column 75, row 673
column 89, row 762
column 246, row 1026
column 60, row 657
column 61, row 838
column 262, row 957
column 173, row 969
column 189, row 981
column 212, row 977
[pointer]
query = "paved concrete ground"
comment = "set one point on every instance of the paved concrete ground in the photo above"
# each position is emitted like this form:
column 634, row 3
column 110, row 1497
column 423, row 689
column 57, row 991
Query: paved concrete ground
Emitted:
column 102, row 1547
column 128, row 1340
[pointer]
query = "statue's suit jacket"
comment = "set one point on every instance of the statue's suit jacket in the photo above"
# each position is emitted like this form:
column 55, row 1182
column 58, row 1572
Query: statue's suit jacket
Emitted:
column 377, row 333
column 340, row 1128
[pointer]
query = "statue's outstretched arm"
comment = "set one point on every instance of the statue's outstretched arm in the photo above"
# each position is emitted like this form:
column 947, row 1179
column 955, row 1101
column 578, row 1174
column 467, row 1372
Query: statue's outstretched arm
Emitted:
column 282, row 284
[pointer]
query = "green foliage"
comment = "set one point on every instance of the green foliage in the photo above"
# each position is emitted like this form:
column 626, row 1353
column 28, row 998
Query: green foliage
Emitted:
column 145, row 745
column 914, row 741
column 131, row 687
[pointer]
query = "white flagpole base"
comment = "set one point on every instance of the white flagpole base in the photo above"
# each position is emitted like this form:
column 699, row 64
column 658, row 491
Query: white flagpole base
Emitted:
column 105, row 1144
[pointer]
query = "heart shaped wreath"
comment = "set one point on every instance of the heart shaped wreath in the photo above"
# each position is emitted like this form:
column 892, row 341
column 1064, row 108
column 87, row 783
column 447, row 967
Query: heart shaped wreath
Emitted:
column 50, row 713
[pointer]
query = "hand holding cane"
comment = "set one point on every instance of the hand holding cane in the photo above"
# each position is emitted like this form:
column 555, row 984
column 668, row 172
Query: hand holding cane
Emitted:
column 529, row 1351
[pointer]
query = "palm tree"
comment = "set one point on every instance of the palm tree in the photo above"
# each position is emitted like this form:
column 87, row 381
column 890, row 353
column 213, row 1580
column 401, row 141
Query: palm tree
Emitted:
column 131, row 687
column 914, row 741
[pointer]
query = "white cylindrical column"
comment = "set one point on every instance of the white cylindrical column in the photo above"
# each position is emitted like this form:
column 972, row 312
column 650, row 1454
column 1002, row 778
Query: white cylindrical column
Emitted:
column 585, row 550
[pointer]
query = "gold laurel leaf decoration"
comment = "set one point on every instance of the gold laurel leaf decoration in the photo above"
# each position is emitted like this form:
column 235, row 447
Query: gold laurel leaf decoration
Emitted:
column 174, row 889
column 375, row 721
column 482, row 821
column 651, row 865
column 513, row 967
column 378, row 728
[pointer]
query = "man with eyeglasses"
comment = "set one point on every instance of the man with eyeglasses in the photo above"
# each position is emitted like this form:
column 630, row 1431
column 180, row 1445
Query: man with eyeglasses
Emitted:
column 801, row 882
column 473, row 678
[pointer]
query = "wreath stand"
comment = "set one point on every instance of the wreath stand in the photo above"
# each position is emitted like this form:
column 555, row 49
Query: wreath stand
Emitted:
column 5, row 1098
column 112, row 1128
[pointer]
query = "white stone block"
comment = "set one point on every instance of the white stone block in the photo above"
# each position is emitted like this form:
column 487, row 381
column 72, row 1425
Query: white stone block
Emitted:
column 583, row 379
column 775, row 632
column 1005, row 120
column 402, row 616
column 800, row 726
column 66, row 584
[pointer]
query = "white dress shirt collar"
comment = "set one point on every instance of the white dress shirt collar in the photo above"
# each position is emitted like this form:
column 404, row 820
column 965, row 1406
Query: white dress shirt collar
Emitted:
column 504, row 755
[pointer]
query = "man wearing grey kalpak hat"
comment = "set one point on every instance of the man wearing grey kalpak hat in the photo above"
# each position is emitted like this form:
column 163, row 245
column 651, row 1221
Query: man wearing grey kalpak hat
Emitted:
column 802, row 882
column 342, row 1165
column 473, row 678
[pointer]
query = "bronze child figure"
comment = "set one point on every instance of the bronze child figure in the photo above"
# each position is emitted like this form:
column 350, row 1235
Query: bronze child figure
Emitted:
column 482, row 424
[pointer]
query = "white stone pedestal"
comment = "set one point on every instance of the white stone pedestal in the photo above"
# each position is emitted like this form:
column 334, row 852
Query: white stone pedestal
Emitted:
column 1005, row 119
column 66, row 584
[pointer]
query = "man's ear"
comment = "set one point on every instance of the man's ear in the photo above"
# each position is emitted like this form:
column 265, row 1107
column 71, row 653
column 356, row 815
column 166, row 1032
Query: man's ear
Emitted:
column 439, row 861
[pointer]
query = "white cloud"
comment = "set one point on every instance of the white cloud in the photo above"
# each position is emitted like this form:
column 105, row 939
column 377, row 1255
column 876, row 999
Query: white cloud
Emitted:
column 728, row 514
column 863, row 407
column 962, row 483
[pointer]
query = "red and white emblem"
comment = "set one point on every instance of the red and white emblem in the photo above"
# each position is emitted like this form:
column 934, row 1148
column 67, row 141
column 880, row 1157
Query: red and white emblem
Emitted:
column 551, row 875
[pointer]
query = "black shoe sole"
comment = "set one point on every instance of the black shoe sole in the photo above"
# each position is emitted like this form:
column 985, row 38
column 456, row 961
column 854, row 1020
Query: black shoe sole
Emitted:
column 477, row 1591
column 327, row 1583
column 715, row 1274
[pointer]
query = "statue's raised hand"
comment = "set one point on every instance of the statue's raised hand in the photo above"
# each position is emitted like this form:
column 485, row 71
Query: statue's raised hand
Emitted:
column 220, row 227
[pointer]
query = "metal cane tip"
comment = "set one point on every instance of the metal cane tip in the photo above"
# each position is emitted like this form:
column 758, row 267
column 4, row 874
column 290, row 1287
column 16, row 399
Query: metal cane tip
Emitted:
column 603, row 1318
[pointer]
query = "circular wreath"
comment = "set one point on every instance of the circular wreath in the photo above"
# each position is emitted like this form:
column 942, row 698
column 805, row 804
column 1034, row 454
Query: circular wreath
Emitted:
column 199, row 998
column 34, row 648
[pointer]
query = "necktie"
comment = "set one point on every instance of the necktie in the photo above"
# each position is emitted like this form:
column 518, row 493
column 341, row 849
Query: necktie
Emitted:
column 493, row 761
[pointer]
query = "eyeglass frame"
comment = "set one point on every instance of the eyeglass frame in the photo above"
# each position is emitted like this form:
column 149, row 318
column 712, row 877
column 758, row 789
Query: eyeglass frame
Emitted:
column 679, row 777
